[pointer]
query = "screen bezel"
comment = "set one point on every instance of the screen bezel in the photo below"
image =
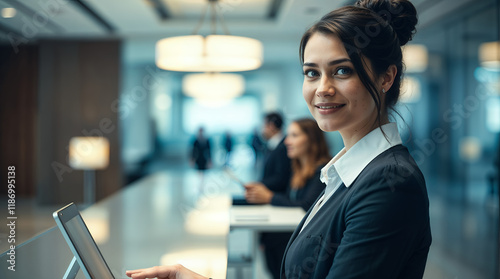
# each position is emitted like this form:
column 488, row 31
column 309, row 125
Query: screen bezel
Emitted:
column 62, row 216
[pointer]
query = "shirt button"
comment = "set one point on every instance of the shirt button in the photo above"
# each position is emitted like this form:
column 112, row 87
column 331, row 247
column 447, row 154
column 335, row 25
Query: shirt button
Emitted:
column 331, row 171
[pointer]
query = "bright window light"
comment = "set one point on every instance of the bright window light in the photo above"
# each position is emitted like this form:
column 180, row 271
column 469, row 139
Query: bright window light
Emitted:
column 493, row 114
column 240, row 115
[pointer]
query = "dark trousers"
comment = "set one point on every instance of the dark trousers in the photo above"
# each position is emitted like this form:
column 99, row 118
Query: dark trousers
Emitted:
column 274, row 249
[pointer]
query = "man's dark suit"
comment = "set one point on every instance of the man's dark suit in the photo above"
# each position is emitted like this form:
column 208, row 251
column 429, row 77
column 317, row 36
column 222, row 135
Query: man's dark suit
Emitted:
column 376, row 228
column 201, row 153
column 276, row 176
column 277, row 169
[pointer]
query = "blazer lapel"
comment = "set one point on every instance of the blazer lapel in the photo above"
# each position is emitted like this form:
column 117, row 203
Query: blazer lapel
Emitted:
column 296, row 233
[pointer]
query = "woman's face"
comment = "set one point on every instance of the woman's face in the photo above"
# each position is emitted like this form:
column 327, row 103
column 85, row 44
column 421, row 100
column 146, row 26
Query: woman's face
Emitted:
column 296, row 142
column 335, row 95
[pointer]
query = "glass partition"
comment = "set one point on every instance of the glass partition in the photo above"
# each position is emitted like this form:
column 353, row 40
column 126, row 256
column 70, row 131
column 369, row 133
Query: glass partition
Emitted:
column 44, row 256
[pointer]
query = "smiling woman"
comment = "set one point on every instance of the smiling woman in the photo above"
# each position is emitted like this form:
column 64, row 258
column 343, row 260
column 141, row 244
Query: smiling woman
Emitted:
column 365, row 52
column 372, row 220
column 333, row 90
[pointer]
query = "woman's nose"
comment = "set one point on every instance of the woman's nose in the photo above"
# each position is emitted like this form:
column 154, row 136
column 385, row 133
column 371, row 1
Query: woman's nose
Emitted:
column 325, row 87
column 287, row 141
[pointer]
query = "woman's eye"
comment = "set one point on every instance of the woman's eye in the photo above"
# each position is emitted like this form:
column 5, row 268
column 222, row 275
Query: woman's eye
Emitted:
column 310, row 73
column 342, row 71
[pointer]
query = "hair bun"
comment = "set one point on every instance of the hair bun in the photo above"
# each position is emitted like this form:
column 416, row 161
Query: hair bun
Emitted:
column 400, row 14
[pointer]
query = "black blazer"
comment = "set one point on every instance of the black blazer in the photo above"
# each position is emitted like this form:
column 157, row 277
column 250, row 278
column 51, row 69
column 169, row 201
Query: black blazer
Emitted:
column 277, row 169
column 376, row 228
column 305, row 196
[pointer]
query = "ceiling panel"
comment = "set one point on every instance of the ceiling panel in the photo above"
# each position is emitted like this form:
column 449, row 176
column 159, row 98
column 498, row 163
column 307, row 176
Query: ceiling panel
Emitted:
column 139, row 20
column 127, row 16
column 25, row 24
column 232, row 9
column 49, row 18
column 76, row 22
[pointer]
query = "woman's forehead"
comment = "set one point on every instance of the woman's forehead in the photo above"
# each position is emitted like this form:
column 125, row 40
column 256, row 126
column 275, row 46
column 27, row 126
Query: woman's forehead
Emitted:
column 293, row 126
column 324, row 46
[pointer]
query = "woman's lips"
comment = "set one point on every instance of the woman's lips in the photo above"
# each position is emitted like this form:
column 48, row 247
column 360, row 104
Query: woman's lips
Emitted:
column 327, row 108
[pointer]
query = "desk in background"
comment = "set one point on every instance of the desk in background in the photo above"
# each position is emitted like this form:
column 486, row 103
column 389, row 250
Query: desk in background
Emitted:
column 264, row 218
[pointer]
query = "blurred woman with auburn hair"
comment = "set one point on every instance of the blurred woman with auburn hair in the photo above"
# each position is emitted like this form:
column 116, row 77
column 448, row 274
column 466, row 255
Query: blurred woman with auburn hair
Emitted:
column 307, row 148
column 308, row 151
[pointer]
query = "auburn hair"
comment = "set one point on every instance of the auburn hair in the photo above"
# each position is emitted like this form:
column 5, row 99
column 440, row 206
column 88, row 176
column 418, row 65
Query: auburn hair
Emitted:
column 317, row 152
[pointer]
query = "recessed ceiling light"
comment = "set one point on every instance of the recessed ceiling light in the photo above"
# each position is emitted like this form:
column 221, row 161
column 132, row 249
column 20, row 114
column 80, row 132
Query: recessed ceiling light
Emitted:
column 8, row 12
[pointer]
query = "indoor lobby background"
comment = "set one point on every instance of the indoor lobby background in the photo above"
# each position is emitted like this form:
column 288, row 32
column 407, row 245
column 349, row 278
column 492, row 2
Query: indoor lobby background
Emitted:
column 87, row 68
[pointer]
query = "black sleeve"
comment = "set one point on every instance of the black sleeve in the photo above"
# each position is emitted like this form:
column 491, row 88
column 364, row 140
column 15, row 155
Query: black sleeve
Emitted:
column 385, row 222
column 279, row 170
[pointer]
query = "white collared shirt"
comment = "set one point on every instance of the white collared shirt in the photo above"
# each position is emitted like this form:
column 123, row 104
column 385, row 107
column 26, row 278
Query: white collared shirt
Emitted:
column 273, row 142
column 347, row 165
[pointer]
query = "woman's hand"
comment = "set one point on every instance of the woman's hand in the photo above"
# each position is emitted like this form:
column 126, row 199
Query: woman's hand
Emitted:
column 164, row 272
column 258, row 193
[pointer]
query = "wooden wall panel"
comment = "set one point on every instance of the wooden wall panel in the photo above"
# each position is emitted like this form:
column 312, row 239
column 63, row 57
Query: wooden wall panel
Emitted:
column 79, row 81
column 18, row 91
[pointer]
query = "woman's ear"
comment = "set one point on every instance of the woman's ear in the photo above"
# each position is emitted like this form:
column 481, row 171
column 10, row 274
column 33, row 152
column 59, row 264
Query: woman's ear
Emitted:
column 388, row 77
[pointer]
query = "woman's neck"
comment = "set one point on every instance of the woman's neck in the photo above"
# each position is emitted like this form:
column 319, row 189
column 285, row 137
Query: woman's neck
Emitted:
column 351, row 137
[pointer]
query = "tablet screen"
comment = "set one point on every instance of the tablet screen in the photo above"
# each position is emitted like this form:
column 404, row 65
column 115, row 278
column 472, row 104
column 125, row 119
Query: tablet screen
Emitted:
column 81, row 242
column 87, row 249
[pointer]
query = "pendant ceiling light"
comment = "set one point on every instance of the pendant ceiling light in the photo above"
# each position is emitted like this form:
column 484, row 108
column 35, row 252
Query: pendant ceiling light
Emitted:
column 213, row 86
column 489, row 55
column 213, row 53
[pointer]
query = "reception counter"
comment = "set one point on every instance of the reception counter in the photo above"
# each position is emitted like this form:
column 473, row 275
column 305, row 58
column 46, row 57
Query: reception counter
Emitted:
column 155, row 221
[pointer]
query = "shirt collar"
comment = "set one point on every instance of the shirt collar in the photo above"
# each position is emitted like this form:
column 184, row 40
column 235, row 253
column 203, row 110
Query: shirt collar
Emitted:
column 349, row 164
column 274, row 141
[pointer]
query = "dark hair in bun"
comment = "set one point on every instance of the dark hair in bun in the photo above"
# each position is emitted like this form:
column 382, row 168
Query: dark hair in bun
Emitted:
column 400, row 14
column 373, row 30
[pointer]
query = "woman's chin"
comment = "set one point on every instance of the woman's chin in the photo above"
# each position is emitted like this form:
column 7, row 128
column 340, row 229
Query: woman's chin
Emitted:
column 326, row 126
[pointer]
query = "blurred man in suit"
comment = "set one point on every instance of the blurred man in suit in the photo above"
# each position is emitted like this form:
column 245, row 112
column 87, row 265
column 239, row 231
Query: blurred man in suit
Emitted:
column 276, row 177
column 277, row 169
